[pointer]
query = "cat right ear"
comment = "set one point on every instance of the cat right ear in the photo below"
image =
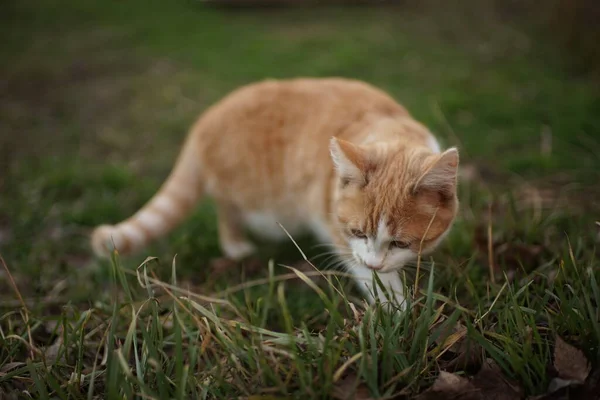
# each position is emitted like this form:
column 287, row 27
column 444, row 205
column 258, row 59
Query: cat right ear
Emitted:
column 442, row 173
column 350, row 161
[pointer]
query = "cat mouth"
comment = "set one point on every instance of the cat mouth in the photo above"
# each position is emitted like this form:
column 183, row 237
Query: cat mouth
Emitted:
column 383, row 269
column 376, row 268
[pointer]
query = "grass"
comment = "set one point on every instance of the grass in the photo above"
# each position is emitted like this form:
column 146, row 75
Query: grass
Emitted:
column 96, row 99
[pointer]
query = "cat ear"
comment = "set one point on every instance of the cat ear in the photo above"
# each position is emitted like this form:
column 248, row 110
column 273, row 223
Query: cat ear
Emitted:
column 349, row 159
column 442, row 174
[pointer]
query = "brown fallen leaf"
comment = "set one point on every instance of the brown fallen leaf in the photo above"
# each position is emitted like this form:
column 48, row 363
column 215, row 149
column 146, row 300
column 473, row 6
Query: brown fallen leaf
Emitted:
column 5, row 235
column 253, row 265
column 350, row 388
column 509, row 253
column 451, row 386
column 447, row 382
column 590, row 390
column 51, row 352
column 514, row 254
column 557, row 384
column 9, row 366
column 494, row 385
column 461, row 352
column 448, row 337
column 219, row 265
column 570, row 363
column 488, row 384
column 14, row 395
column 592, row 385
column 574, row 379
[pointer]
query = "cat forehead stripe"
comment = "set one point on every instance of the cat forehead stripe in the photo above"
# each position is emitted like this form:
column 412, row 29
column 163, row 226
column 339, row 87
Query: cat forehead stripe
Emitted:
column 383, row 232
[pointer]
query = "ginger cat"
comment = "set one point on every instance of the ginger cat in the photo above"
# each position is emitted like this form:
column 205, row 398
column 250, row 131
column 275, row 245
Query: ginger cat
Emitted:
column 333, row 156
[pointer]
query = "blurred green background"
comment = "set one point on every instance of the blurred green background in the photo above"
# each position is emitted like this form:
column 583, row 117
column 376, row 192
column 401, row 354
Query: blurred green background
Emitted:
column 96, row 98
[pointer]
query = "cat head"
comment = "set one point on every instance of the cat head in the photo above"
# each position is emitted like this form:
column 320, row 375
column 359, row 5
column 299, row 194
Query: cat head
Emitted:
column 392, row 203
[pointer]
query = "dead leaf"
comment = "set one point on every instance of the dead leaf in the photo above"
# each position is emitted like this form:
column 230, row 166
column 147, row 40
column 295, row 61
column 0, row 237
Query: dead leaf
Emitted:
column 510, row 254
column 590, row 390
column 461, row 352
column 447, row 382
column 5, row 235
column 51, row 352
column 494, row 385
column 451, row 386
column 254, row 265
column 592, row 385
column 9, row 366
column 514, row 254
column 488, row 384
column 558, row 383
column 449, row 338
column 221, row 264
column 350, row 388
column 570, row 363
column 574, row 379
column 14, row 395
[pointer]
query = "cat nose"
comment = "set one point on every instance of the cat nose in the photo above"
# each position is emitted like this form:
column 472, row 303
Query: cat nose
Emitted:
column 375, row 267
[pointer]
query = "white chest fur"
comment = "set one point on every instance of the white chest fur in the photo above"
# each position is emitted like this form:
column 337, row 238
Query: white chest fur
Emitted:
column 266, row 224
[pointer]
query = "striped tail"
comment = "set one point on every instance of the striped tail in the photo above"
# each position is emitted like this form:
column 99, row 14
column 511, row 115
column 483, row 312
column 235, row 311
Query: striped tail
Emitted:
column 169, row 206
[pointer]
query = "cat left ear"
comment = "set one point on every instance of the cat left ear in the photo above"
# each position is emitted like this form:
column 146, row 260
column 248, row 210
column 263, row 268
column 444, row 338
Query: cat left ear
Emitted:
column 349, row 159
column 442, row 174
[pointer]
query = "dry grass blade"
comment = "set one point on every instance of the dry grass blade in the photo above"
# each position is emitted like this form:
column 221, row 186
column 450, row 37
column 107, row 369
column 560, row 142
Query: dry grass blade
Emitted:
column 32, row 348
column 308, row 261
column 279, row 278
column 417, row 276
column 490, row 242
column 337, row 375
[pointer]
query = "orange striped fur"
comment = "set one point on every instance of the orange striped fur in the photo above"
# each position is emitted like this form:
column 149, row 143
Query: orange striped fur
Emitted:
column 333, row 156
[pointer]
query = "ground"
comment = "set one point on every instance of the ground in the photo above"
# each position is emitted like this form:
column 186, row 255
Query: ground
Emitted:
column 95, row 100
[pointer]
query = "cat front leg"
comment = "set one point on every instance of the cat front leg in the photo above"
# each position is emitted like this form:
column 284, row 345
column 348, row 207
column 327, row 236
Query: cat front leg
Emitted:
column 394, row 289
column 232, row 239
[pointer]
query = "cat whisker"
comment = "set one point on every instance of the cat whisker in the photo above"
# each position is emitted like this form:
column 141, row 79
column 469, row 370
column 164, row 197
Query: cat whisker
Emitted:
column 342, row 261
column 326, row 253
column 329, row 261
column 322, row 245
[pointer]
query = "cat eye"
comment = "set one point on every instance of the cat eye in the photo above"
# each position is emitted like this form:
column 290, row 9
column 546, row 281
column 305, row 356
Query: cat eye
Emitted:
column 358, row 233
column 400, row 244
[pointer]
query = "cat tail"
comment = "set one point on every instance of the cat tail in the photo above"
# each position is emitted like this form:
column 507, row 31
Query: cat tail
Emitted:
column 170, row 205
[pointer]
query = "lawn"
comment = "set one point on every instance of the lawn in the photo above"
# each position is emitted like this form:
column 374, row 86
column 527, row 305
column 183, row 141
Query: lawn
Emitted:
column 95, row 100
